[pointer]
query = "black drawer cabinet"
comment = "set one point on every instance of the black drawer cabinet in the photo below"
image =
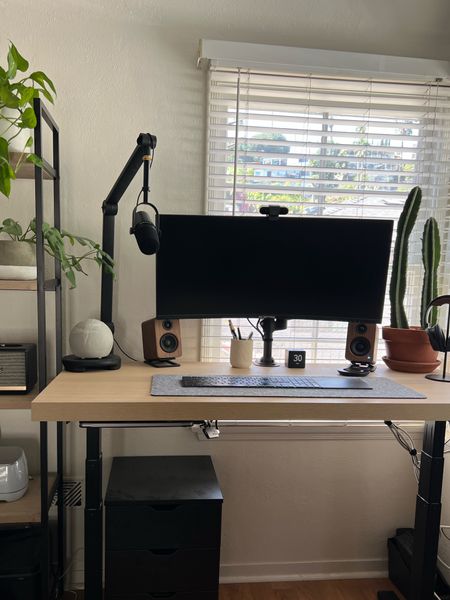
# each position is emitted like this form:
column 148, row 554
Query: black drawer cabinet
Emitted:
column 164, row 525
column 20, row 575
column 23, row 586
column 163, row 519
column 148, row 569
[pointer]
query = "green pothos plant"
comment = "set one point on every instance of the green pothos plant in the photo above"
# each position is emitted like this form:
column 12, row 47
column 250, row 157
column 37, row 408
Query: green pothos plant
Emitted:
column 55, row 241
column 17, row 93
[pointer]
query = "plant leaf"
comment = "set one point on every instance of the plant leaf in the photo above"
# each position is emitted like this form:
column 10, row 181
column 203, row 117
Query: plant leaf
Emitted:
column 35, row 159
column 71, row 277
column 4, row 148
column 5, row 180
column 26, row 95
column 21, row 62
column 12, row 64
column 47, row 94
column 65, row 233
column 7, row 97
column 81, row 241
column 28, row 118
column 12, row 228
column 43, row 80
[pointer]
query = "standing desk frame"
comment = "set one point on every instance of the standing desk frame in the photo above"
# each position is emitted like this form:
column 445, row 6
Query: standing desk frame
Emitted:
column 122, row 399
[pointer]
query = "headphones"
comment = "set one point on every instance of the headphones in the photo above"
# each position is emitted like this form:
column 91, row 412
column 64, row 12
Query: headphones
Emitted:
column 436, row 335
column 146, row 233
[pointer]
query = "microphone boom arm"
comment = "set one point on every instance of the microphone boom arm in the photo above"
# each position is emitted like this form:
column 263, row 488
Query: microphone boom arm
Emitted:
column 146, row 143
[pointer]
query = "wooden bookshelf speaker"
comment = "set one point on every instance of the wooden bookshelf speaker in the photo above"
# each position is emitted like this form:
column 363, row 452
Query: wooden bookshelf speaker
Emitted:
column 161, row 340
column 362, row 341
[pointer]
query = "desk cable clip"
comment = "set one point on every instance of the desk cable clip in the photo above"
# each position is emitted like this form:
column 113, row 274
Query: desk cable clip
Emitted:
column 210, row 429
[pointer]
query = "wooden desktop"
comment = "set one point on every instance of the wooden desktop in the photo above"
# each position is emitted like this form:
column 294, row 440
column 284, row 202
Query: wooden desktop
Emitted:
column 100, row 399
column 124, row 395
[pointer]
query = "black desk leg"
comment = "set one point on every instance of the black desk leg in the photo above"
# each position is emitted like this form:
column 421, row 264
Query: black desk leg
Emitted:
column 60, row 508
column 428, row 512
column 428, row 515
column 45, row 535
column 93, row 517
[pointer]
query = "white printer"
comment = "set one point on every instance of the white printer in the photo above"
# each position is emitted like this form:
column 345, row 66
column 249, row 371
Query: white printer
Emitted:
column 13, row 473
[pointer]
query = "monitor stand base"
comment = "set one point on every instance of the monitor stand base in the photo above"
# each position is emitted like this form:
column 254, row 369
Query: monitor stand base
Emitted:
column 357, row 369
column 262, row 362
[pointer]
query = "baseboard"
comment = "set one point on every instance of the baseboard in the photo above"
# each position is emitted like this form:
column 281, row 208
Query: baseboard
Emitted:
column 303, row 571
column 291, row 571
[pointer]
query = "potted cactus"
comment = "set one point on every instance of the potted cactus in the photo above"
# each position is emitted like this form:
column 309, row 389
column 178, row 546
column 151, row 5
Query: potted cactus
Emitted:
column 408, row 348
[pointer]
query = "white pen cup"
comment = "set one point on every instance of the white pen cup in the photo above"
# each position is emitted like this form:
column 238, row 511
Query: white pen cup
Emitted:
column 241, row 353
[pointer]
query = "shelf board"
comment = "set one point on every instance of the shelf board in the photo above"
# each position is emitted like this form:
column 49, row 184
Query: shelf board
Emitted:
column 28, row 508
column 29, row 285
column 17, row 401
column 26, row 170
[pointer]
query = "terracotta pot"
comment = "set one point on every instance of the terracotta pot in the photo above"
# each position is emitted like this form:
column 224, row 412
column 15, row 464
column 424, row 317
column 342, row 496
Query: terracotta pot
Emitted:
column 409, row 350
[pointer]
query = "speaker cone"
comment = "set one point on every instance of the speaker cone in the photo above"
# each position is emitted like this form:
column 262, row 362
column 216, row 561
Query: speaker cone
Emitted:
column 169, row 342
column 360, row 346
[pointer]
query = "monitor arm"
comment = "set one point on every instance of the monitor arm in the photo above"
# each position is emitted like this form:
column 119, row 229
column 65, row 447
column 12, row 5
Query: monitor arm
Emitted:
column 141, row 156
column 269, row 325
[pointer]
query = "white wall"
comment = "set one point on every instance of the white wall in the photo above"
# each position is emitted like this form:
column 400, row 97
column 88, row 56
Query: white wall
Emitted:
column 122, row 67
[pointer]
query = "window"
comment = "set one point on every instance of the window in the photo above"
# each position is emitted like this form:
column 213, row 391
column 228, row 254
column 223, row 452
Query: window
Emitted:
column 326, row 146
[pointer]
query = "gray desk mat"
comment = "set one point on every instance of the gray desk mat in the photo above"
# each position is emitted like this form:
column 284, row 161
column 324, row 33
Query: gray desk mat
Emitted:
column 170, row 385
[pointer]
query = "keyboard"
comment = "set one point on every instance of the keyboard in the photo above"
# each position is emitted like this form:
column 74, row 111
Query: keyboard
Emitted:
column 274, row 381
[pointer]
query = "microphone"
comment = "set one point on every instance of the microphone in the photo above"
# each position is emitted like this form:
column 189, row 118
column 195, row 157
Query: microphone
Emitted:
column 145, row 232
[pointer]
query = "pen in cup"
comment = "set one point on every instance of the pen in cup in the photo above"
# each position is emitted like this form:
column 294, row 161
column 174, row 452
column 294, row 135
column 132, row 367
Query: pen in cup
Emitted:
column 232, row 329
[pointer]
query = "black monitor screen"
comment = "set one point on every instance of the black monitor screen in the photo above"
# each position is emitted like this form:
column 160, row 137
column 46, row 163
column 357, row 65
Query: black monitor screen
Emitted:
column 292, row 267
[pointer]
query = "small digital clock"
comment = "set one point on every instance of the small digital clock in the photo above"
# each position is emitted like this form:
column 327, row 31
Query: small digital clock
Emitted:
column 295, row 359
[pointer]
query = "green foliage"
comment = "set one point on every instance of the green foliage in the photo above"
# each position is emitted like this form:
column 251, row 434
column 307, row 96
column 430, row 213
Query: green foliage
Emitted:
column 17, row 94
column 431, row 257
column 399, row 266
column 55, row 245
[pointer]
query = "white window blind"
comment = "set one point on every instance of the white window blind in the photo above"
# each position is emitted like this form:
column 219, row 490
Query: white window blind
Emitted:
column 326, row 146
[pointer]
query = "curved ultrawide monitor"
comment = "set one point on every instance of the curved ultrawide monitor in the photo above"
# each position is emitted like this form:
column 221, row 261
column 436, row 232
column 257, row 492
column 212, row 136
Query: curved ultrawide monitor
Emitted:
column 292, row 267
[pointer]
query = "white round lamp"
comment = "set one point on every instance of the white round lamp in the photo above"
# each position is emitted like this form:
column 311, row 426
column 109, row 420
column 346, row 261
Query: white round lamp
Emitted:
column 91, row 339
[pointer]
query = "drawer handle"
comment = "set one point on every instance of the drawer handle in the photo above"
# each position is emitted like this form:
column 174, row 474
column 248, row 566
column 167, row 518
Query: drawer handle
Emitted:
column 165, row 507
column 163, row 551
column 162, row 595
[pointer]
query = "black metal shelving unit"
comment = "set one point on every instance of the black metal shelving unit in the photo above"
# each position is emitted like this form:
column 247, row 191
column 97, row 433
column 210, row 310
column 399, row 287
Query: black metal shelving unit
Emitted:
column 53, row 171
column 51, row 587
